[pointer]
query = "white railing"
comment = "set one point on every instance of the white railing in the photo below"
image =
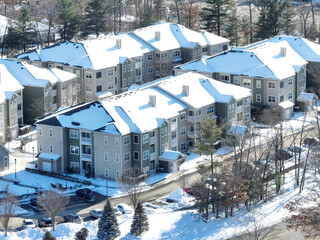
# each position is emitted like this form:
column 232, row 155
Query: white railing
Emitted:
column 239, row 109
column 194, row 118
column 86, row 156
column 152, row 140
column 54, row 92
column 85, row 140
column 152, row 156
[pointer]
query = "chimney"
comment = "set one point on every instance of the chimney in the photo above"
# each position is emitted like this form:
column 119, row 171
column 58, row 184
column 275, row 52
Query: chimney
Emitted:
column 157, row 35
column 185, row 90
column 152, row 100
column 118, row 43
column 283, row 51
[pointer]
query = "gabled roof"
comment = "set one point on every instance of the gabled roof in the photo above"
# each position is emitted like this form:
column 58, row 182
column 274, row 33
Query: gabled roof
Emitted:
column 173, row 36
column 8, row 83
column 263, row 61
column 171, row 155
column 308, row 50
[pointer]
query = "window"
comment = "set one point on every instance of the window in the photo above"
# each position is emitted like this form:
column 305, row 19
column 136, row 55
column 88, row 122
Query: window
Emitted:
column 129, row 80
column 149, row 57
column 117, row 158
column 246, row 117
column 162, row 132
column 225, row 78
column 145, row 155
column 282, row 84
column 281, row 98
column 124, row 82
column 258, row 97
column 74, row 166
column 165, row 131
column 136, row 139
column 182, row 115
column 198, row 112
column 5, row 162
column 150, row 70
column 117, row 174
column 214, row 49
column 50, row 149
column 64, row 86
column 290, row 81
column 247, row 82
column 258, row 84
column 40, row 147
column 239, row 103
column 74, row 134
column 174, row 148
column 99, row 88
column 78, row 73
column 190, row 113
column 110, row 85
column 50, row 132
column 124, row 68
column 135, row 155
column 126, row 157
column 152, row 134
column 183, row 146
column 88, row 74
column 225, row 47
column 205, row 49
column 271, row 99
column 145, row 138
column 271, row 85
column 129, row 67
column 176, row 53
column 19, row 107
column 74, row 150
column 107, row 172
column 106, row 155
column 40, row 131
column 1, row 109
column 236, row 79
column 163, row 55
column 105, row 140
column 110, row 72
column 98, row 75
column 89, row 88
column 183, row 131
column 173, row 121
column 174, row 134
column 239, row 116
column 247, row 102
column 116, row 141
column 290, row 95
column 126, row 140
column 210, row 109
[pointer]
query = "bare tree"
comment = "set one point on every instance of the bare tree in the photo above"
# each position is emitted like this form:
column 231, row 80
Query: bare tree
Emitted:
column 8, row 208
column 304, row 14
column 52, row 203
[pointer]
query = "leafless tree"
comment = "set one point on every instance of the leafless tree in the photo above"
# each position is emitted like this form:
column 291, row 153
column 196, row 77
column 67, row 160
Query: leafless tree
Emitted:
column 52, row 203
column 304, row 14
column 8, row 208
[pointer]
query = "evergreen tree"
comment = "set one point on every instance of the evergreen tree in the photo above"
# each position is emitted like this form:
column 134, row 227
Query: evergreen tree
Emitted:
column 233, row 26
column 25, row 29
column 68, row 18
column 215, row 14
column 263, row 28
column 82, row 234
column 140, row 222
column 96, row 11
column 108, row 224
column 48, row 236
column 287, row 16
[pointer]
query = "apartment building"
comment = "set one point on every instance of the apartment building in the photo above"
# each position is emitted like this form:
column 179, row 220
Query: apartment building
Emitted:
column 44, row 90
column 274, row 73
column 11, row 105
column 145, row 129
column 110, row 64
column 4, row 158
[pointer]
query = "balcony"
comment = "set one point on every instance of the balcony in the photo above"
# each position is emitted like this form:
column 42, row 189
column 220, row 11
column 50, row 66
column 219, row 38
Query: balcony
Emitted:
column 152, row 140
column 152, row 156
column 54, row 92
column 138, row 78
column 194, row 118
column 86, row 140
column 192, row 134
column 239, row 109
column 174, row 142
column 86, row 156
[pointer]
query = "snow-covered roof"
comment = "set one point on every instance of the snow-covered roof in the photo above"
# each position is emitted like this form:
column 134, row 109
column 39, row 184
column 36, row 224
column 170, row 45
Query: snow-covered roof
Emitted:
column 62, row 76
column 8, row 83
column 286, row 104
column 173, row 36
column 103, row 94
column 306, row 97
column 263, row 61
column 170, row 155
column 49, row 156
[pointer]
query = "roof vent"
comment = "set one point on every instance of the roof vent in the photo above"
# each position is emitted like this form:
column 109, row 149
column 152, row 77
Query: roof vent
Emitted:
column 157, row 35
column 185, row 90
column 118, row 43
column 283, row 51
column 75, row 123
column 153, row 100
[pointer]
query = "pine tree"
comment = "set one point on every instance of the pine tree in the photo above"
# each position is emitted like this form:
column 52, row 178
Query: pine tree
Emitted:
column 233, row 26
column 287, row 16
column 108, row 224
column 140, row 222
column 96, row 11
column 48, row 236
column 215, row 14
column 82, row 234
column 68, row 18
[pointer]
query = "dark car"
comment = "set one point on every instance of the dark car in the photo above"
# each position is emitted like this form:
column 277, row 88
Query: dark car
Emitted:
column 44, row 222
column 72, row 218
column 85, row 193
column 310, row 141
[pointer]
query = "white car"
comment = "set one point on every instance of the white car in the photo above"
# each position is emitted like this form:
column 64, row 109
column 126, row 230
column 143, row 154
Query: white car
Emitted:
column 124, row 208
column 116, row 211
column 96, row 213
column 28, row 223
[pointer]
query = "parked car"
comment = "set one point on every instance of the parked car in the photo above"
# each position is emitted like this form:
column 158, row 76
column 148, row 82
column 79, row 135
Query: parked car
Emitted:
column 44, row 222
column 73, row 218
column 191, row 191
column 124, row 208
column 284, row 154
column 96, row 213
column 116, row 211
column 28, row 223
column 295, row 149
column 310, row 141
column 85, row 193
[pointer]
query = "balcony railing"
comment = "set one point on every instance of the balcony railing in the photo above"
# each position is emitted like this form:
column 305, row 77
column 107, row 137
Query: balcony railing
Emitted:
column 85, row 140
column 54, row 92
column 152, row 156
column 86, row 156
column 192, row 134
column 239, row 109
column 152, row 140
column 194, row 118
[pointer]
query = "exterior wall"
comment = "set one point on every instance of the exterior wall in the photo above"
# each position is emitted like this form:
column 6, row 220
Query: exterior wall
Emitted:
column 73, row 157
column 148, row 62
column 66, row 94
column 32, row 96
column 4, row 159
column 3, row 111
column 301, row 81
column 126, row 76
column 12, row 116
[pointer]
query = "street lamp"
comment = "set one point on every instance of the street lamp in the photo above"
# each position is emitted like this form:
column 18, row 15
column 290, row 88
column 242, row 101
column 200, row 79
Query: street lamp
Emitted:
column 15, row 168
column 32, row 153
